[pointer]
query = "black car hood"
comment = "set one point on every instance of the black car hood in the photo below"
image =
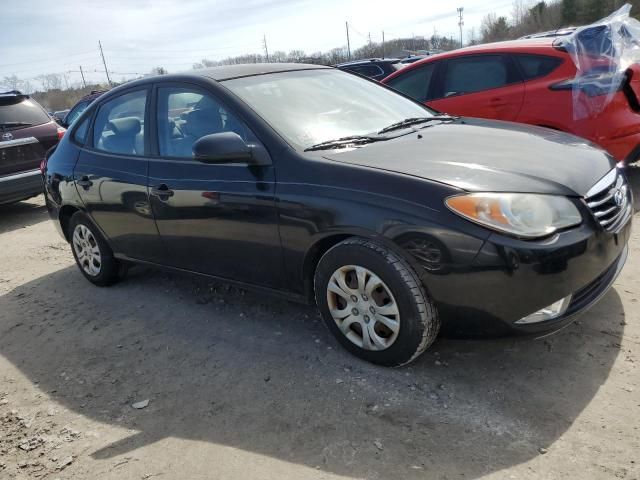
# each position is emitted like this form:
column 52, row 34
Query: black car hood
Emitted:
column 484, row 155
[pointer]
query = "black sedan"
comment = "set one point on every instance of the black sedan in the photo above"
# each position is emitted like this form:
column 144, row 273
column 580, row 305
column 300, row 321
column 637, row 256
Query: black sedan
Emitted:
column 325, row 187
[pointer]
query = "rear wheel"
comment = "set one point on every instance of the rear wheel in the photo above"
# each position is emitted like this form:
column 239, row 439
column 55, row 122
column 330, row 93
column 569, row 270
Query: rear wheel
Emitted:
column 374, row 303
column 93, row 255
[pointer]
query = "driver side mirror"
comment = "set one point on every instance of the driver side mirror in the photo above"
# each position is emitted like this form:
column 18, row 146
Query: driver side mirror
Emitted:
column 225, row 147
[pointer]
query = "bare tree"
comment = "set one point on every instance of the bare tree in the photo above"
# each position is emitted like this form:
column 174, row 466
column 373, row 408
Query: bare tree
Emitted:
column 50, row 81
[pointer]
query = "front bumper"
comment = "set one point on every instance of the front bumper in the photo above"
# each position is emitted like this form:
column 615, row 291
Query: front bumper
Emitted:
column 510, row 279
column 20, row 186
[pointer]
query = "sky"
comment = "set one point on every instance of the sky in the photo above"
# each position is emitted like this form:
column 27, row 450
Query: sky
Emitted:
column 41, row 36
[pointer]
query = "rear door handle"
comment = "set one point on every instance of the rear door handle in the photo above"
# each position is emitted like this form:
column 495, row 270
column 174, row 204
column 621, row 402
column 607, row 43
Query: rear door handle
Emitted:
column 85, row 183
column 497, row 102
column 162, row 191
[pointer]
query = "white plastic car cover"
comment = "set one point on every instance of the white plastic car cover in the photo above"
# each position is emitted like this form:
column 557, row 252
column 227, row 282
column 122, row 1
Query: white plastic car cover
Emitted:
column 603, row 53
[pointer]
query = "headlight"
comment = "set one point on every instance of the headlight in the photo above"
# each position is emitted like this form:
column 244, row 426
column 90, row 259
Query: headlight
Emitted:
column 520, row 214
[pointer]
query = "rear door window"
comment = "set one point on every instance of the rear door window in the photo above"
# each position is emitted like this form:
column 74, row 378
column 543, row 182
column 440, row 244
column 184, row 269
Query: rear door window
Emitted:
column 119, row 124
column 21, row 110
column 415, row 83
column 536, row 66
column 476, row 73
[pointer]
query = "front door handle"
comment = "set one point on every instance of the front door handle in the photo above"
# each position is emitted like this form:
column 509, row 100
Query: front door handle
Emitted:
column 85, row 183
column 162, row 191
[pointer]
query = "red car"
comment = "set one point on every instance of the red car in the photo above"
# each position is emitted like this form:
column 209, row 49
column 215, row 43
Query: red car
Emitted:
column 529, row 81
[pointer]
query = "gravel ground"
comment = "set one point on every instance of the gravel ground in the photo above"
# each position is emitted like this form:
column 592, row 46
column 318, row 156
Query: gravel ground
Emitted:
column 229, row 384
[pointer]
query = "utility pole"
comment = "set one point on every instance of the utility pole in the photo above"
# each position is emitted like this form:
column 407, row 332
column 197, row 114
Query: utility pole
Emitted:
column 383, row 51
column 83, row 80
column 460, row 23
column 264, row 44
column 348, row 43
column 104, row 63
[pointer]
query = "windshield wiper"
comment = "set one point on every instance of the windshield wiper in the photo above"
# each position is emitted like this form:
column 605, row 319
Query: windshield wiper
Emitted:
column 15, row 124
column 344, row 142
column 407, row 122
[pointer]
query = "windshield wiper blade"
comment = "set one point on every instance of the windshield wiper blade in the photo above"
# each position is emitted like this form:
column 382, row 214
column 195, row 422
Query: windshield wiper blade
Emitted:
column 343, row 142
column 407, row 122
column 15, row 124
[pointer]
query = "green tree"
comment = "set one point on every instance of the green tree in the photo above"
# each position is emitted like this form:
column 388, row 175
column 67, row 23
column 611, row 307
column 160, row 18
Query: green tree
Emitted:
column 569, row 12
column 494, row 28
column 594, row 10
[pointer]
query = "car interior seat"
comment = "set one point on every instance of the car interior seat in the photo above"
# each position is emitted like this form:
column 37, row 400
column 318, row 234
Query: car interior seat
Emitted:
column 197, row 124
column 125, row 133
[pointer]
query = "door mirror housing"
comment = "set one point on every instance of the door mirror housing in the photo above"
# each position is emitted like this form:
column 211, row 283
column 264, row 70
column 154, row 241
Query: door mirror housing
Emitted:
column 225, row 147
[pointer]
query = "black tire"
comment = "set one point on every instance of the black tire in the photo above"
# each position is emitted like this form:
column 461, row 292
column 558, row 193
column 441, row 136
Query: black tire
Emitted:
column 418, row 318
column 111, row 270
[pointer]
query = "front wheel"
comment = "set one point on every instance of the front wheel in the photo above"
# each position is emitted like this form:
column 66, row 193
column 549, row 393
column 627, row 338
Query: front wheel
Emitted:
column 374, row 303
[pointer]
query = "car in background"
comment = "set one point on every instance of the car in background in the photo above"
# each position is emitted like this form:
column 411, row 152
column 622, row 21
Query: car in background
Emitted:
column 59, row 115
column 80, row 106
column 412, row 59
column 374, row 68
column 26, row 133
column 529, row 81
column 329, row 188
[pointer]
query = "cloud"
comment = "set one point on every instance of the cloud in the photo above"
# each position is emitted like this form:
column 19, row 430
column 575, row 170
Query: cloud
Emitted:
column 138, row 35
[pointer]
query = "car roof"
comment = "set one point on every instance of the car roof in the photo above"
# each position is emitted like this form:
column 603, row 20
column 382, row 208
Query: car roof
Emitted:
column 520, row 45
column 219, row 74
column 227, row 72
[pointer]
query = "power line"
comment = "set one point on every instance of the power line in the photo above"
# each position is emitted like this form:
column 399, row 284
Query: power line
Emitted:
column 182, row 51
column 45, row 59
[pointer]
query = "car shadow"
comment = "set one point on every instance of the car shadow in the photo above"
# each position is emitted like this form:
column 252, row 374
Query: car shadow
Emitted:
column 260, row 374
column 22, row 214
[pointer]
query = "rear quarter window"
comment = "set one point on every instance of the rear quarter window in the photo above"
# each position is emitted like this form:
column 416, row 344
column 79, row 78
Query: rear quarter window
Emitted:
column 536, row 66
column 26, row 111
column 80, row 133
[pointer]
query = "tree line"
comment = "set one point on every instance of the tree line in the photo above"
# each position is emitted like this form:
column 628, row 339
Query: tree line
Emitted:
column 402, row 47
column 530, row 17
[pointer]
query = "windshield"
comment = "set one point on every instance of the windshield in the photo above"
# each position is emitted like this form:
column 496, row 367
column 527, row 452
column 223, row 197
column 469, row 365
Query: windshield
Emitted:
column 308, row 107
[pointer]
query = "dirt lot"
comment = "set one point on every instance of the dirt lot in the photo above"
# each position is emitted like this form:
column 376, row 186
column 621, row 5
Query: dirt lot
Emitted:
column 240, row 386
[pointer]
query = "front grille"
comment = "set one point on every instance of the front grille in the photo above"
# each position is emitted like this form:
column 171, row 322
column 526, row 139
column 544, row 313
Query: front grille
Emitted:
column 610, row 200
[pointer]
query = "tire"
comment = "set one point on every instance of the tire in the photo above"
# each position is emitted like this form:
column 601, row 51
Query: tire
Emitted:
column 410, row 321
column 84, row 236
